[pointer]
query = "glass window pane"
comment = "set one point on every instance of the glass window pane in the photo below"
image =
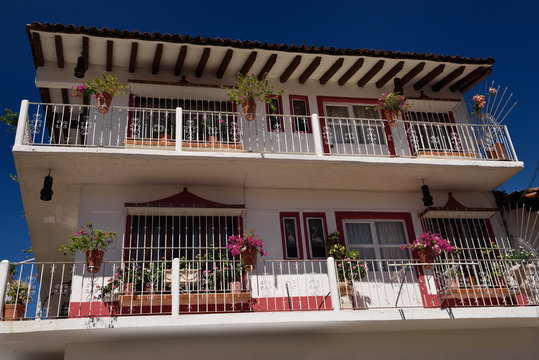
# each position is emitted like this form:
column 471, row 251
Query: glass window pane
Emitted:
column 364, row 252
column 291, row 238
column 364, row 112
column 316, row 237
column 394, row 253
column 337, row 111
column 390, row 233
column 358, row 233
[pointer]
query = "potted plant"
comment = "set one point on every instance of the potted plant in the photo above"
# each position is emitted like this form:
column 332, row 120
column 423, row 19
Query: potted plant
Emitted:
column 247, row 246
column 428, row 246
column 152, row 276
column 93, row 242
column 521, row 268
column 18, row 294
column 392, row 103
column 104, row 88
column 248, row 89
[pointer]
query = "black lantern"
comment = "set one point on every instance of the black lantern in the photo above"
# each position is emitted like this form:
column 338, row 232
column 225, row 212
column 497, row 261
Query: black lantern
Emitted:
column 46, row 192
column 80, row 70
column 427, row 198
column 398, row 86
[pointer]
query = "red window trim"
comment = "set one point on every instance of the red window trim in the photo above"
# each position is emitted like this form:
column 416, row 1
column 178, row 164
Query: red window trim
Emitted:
column 370, row 215
column 298, row 234
column 280, row 112
column 291, row 98
column 307, row 240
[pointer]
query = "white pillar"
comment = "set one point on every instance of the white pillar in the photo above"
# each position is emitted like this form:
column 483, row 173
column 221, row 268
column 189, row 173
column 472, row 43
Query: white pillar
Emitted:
column 179, row 128
column 175, row 287
column 333, row 288
column 317, row 135
column 4, row 277
column 21, row 124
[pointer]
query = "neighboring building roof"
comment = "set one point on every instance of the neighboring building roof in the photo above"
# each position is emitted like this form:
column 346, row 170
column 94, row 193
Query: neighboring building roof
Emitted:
column 197, row 40
column 528, row 198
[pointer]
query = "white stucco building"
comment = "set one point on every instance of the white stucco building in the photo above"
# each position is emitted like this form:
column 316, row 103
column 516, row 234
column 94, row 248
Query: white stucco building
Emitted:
column 175, row 168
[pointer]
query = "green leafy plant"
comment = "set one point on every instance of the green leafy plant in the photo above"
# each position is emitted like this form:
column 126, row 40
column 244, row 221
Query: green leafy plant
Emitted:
column 108, row 84
column 391, row 100
column 348, row 264
column 248, row 88
column 518, row 256
column 10, row 119
column 19, row 292
column 87, row 238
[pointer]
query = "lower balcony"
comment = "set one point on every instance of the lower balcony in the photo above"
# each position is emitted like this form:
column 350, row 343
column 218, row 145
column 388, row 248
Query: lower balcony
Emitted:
column 204, row 286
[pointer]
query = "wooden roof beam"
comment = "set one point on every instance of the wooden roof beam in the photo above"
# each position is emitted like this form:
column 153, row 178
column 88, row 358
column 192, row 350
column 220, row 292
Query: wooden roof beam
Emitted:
column 267, row 66
column 350, row 72
column 202, row 62
column 331, row 71
column 310, row 69
column 450, row 77
column 478, row 79
column 45, row 95
column 248, row 63
column 462, row 82
column 180, row 60
column 157, row 58
column 133, row 57
column 290, row 68
column 36, row 39
column 370, row 74
column 110, row 45
column 86, row 50
column 65, row 96
column 224, row 63
column 59, row 51
column 429, row 77
column 412, row 73
column 390, row 74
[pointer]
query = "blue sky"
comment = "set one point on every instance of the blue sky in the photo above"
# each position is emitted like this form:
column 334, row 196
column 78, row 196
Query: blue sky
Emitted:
column 506, row 31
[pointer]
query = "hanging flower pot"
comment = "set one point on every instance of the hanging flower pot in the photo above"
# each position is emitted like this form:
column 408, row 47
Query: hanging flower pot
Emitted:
column 426, row 256
column 392, row 116
column 94, row 259
column 249, row 257
column 249, row 109
column 13, row 312
column 103, row 102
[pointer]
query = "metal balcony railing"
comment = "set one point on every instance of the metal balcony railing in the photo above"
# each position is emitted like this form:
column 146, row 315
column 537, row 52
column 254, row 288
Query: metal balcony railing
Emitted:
column 153, row 128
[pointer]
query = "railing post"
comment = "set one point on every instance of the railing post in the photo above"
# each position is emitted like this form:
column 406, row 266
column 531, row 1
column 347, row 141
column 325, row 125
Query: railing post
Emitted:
column 21, row 124
column 333, row 288
column 515, row 158
column 317, row 135
column 4, row 276
column 179, row 128
column 175, row 287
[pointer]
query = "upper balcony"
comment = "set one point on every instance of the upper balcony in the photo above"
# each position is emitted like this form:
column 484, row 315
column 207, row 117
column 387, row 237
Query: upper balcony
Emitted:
column 433, row 144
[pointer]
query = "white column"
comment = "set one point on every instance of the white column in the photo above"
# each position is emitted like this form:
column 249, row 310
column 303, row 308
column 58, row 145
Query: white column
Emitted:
column 21, row 125
column 4, row 276
column 333, row 288
column 175, row 286
column 179, row 128
column 317, row 135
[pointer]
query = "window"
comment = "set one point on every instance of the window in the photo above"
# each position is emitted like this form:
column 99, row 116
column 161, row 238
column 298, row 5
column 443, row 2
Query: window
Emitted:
column 275, row 111
column 360, row 130
column 299, row 105
column 315, row 234
column 376, row 239
column 429, row 132
column 292, row 247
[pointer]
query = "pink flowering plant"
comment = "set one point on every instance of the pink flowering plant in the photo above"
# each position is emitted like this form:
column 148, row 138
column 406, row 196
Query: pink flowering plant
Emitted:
column 348, row 264
column 431, row 241
column 249, row 88
column 391, row 100
column 479, row 102
column 239, row 244
column 107, row 84
column 87, row 238
column 131, row 274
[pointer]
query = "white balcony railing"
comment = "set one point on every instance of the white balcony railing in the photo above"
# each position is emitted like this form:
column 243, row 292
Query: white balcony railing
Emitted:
column 68, row 290
column 150, row 128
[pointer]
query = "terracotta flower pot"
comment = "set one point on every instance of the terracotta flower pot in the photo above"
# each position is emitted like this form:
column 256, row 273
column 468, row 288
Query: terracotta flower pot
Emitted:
column 94, row 259
column 249, row 109
column 497, row 152
column 13, row 312
column 129, row 288
column 103, row 102
column 426, row 256
column 249, row 257
column 392, row 116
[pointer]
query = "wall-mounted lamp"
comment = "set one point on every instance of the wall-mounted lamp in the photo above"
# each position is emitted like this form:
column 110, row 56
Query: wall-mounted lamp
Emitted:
column 397, row 89
column 427, row 198
column 80, row 70
column 46, row 192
